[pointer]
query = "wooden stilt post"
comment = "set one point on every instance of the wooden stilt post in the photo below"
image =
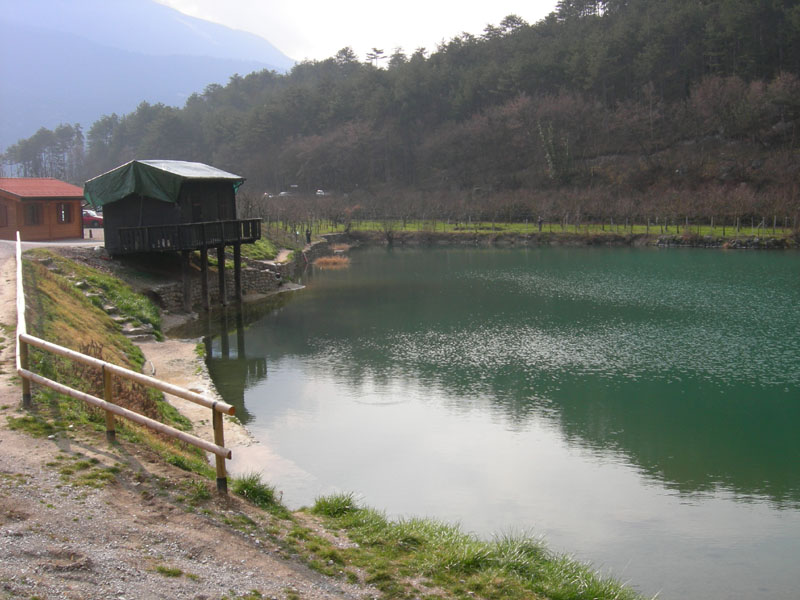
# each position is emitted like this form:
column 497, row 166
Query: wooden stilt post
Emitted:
column 204, row 279
column 219, row 439
column 237, row 270
column 108, row 396
column 223, row 295
column 187, row 282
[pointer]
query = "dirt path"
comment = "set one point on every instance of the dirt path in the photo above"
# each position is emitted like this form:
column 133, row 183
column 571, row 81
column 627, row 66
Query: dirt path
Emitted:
column 139, row 536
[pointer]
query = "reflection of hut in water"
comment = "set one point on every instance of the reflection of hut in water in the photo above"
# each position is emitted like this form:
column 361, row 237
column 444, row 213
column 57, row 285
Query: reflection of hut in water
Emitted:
column 232, row 371
column 232, row 376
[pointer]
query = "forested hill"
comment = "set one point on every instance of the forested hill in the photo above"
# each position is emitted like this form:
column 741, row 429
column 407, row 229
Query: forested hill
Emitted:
column 602, row 107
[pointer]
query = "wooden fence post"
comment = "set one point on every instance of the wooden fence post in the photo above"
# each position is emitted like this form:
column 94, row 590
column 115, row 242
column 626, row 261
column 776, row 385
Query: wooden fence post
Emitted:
column 219, row 439
column 26, row 384
column 108, row 396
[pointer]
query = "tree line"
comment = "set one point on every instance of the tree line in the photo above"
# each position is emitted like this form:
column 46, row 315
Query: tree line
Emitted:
column 604, row 109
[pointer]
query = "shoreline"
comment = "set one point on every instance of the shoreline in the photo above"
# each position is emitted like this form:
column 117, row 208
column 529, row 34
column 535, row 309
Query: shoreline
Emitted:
column 176, row 361
column 504, row 239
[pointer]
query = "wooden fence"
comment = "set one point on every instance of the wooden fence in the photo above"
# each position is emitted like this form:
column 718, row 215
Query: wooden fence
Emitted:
column 107, row 404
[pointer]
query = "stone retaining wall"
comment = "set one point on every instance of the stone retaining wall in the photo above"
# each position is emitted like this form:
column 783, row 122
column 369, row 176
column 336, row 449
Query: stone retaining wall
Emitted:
column 258, row 277
column 428, row 238
column 254, row 281
column 697, row 241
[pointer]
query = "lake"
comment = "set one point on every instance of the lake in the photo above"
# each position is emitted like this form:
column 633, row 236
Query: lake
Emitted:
column 638, row 408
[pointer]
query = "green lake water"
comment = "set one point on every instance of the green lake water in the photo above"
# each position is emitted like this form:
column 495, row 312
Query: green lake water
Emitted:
column 639, row 408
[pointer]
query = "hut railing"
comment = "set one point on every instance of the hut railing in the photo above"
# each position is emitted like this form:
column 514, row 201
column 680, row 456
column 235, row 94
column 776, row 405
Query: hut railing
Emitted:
column 189, row 236
column 110, row 370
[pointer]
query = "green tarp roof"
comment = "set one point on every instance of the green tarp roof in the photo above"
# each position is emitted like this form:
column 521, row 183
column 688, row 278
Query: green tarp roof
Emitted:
column 159, row 179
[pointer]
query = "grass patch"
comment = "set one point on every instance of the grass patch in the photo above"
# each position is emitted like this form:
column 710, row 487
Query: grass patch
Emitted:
column 262, row 249
column 335, row 505
column 260, row 494
column 394, row 554
column 80, row 471
column 187, row 460
column 213, row 261
column 197, row 492
column 168, row 571
column 251, row 595
column 33, row 425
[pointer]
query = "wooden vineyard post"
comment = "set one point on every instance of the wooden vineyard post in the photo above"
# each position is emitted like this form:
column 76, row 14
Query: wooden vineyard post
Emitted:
column 108, row 396
column 219, row 440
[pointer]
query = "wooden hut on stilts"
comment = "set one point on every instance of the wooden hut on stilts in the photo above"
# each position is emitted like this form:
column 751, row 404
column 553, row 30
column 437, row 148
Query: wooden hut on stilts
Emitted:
column 174, row 206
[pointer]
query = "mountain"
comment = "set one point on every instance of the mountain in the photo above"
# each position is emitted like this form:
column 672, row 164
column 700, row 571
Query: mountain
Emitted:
column 72, row 61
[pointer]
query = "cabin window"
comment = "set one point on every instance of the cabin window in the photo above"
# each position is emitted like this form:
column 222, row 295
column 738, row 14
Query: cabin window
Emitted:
column 3, row 215
column 33, row 214
column 64, row 212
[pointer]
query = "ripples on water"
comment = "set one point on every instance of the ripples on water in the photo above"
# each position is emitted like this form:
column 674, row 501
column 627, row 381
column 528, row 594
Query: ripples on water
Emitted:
column 648, row 326
column 699, row 329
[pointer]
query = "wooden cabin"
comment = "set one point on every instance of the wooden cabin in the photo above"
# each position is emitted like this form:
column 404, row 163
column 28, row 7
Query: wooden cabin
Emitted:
column 173, row 206
column 40, row 208
column 169, row 205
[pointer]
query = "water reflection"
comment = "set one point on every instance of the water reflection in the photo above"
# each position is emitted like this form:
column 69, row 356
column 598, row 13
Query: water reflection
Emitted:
column 624, row 355
column 232, row 372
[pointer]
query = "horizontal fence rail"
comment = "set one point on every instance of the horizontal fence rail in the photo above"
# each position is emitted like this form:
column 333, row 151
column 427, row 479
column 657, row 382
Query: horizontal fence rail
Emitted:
column 128, row 414
column 189, row 236
column 109, row 370
column 141, row 378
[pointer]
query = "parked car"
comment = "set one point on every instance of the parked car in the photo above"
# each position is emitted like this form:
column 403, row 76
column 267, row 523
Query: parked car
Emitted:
column 91, row 218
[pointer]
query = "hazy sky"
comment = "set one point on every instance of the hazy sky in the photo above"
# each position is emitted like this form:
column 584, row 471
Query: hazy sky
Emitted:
column 317, row 29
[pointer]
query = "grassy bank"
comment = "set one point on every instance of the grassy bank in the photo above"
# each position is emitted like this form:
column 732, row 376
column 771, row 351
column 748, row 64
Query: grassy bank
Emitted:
column 65, row 303
column 404, row 558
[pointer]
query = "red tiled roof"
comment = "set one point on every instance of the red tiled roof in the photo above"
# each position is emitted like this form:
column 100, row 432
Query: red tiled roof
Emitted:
column 39, row 187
